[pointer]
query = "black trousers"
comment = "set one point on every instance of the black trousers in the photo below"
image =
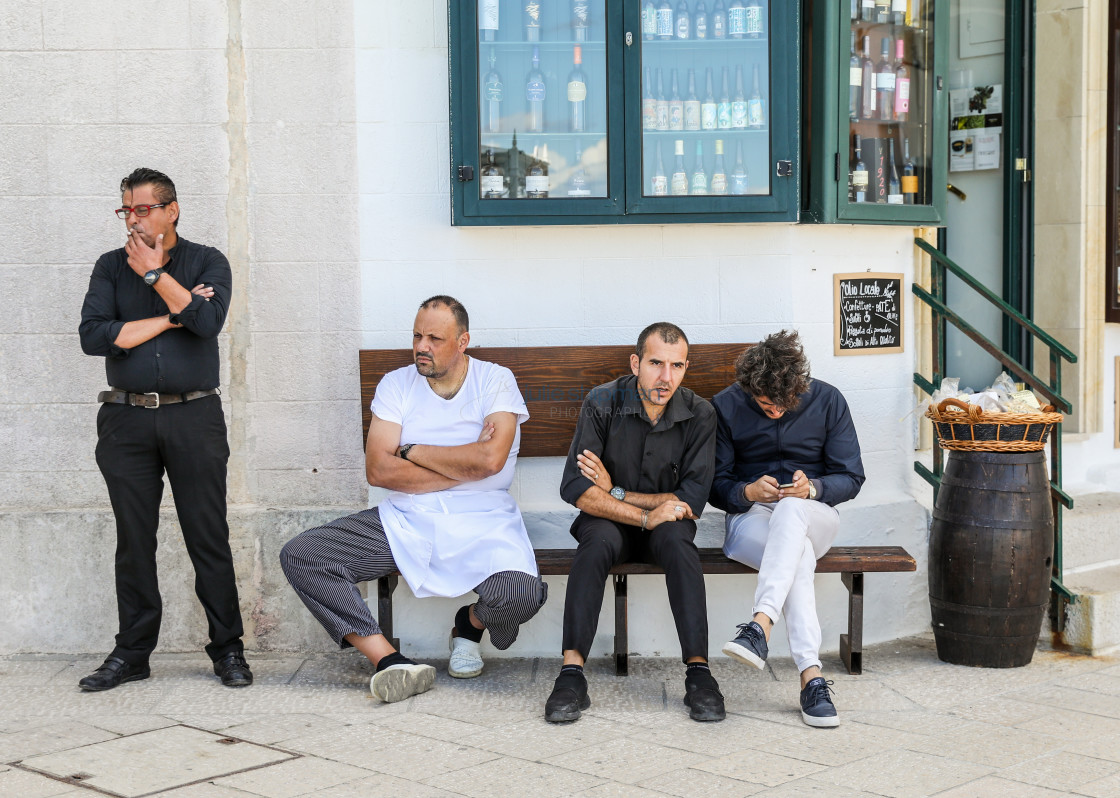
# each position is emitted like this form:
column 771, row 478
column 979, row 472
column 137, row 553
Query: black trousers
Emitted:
column 603, row 544
column 135, row 445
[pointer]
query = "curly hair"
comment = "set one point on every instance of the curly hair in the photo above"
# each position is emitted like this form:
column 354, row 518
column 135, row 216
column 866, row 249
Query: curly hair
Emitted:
column 776, row 368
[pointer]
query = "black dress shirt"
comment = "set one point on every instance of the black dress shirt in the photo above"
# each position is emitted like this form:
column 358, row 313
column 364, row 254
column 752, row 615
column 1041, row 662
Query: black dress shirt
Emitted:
column 176, row 361
column 675, row 456
column 818, row 438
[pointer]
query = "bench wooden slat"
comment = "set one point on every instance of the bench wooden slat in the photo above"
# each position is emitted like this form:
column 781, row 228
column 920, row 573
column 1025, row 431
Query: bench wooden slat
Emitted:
column 839, row 559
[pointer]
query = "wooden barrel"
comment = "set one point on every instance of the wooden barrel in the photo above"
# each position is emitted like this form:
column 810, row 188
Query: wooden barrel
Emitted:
column 990, row 548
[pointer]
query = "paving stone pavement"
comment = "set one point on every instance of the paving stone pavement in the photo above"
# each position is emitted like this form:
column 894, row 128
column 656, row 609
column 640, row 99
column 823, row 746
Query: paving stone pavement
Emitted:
column 910, row 726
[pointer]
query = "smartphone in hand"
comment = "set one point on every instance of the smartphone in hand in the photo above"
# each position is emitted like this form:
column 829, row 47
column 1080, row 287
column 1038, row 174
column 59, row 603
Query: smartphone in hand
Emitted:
column 786, row 485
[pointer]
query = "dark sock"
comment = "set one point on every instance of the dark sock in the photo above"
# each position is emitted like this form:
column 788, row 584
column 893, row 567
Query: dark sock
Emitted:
column 463, row 626
column 396, row 658
column 572, row 669
column 695, row 668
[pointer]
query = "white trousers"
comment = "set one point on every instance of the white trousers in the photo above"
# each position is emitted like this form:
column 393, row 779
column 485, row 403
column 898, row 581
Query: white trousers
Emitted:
column 784, row 540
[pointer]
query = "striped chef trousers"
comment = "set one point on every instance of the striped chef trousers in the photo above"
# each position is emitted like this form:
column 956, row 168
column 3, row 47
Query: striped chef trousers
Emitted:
column 325, row 564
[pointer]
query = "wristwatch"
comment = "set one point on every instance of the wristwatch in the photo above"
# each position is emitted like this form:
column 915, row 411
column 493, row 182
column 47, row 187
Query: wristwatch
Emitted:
column 619, row 493
column 404, row 450
column 153, row 276
column 812, row 491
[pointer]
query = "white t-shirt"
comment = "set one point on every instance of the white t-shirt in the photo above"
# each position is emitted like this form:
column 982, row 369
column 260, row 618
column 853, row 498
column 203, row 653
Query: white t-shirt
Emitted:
column 447, row 542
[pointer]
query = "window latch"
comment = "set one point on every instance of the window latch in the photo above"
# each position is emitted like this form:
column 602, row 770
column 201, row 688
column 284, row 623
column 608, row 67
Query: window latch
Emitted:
column 466, row 174
column 785, row 168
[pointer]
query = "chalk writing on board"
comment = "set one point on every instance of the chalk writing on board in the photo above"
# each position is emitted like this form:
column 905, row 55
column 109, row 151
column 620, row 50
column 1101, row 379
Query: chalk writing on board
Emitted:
column 868, row 313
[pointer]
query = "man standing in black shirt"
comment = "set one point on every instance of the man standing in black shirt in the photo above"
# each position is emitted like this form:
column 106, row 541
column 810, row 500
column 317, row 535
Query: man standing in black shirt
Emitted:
column 639, row 470
column 162, row 412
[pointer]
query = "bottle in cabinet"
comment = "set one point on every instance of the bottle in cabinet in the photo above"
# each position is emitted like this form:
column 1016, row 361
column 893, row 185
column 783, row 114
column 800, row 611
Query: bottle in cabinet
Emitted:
column 884, row 82
column 867, row 82
column 882, row 10
column 855, row 81
column 682, row 22
column 581, row 20
column 577, row 183
column 699, row 183
column 719, row 20
column 867, row 10
column 577, row 93
column 700, row 21
column 492, row 94
column 515, row 182
column 488, row 20
column 739, row 102
column 739, row 174
column 756, row 116
column 491, row 181
column 659, row 186
column 665, row 20
column 736, row 20
column 894, row 184
column 719, row 171
column 755, row 20
column 661, row 104
column 649, row 102
column 678, row 183
column 858, row 189
column 534, row 94
column 909, row 176
column 649, row 20
column 676, row 103
column 709, row 108
column 691, row 104
column 723, row 107
column 898, row 13
column 901, row 83
column 536, row 179
column 533, row 20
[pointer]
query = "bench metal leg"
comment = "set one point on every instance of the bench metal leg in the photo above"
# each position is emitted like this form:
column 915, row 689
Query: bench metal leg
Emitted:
column 621, row 637
column 385, row 587
column 851, row 644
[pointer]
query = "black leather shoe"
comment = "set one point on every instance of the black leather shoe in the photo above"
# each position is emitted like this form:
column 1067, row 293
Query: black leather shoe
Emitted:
column 111, row 673
column 703, row 698
column 234, row 670
column 568, row 700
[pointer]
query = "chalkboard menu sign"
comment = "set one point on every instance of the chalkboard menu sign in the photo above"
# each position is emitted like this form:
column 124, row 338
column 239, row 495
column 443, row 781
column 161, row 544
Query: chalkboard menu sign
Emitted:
column 867, row 314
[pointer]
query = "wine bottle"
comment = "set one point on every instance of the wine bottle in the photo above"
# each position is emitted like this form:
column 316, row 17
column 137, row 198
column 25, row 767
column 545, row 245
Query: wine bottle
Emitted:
column 577, row 94
column 898, row 13
column 678, row 183
column 755, row 20
column 739, row 103
column 682, row 23
column 488, row 20
column 909, row 176
column 649, row 103
column 736, row 20
column 719, row 20
column 665, row 20
column 756, row 114
column 533, row 20
column 700, row 21
column 739, row 175
column 901, row 84
column 708, row 108
column 884, row 82
column 855, row 81
column 867, row 82
column 581, row 20
column 492, row 93
column 691, row 104
column 676, row 103
column 534, row 94
column 699, row 183
column 515, row 183
column 894, row 185
column 867, row 10
column 577, row 183
column 723, row 108
column 491, row 182
column 859, row 172
column 882, row 10
column 660, row 184
column 536, row 179
column 855, row 10
column 662, row 104
column 649, row 20
column 719, row 171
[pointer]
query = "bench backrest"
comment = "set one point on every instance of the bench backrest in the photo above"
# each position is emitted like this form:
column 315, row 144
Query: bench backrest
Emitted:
column 555, row 379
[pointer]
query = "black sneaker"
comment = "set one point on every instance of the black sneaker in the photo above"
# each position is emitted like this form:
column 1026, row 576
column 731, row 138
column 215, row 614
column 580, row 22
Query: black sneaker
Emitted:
column 817, row 708
column 702, row 697
column 569, row 698
column 750, row 646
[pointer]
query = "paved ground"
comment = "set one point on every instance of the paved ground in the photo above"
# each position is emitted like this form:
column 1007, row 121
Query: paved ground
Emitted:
column 911, row 726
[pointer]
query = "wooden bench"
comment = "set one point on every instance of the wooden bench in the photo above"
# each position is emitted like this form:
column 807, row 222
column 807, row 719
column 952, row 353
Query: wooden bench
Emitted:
column 554, row 382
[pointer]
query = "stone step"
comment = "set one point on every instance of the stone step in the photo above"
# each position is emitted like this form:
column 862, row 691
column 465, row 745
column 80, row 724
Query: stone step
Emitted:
column 1093, row 621
column 1089, row 532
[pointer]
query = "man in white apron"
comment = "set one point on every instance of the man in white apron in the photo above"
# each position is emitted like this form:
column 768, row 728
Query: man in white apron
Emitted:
column 444, row 439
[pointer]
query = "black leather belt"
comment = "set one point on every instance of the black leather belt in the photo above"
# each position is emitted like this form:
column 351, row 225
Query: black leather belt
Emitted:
column 151, row 400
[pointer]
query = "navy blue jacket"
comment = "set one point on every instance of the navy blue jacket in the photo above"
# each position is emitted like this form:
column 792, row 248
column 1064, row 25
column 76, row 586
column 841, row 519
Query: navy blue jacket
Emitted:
column 817, row 438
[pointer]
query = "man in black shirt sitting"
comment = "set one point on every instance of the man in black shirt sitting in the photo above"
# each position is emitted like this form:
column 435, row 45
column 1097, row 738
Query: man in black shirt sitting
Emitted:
column 639, row 471
column 163, row 412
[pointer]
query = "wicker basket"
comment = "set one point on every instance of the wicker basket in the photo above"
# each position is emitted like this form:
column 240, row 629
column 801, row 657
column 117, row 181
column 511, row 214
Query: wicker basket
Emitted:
column 967, row 428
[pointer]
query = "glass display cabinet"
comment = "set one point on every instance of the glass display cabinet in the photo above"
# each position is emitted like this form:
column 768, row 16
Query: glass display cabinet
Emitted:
column 592, row 111
column 879, row 107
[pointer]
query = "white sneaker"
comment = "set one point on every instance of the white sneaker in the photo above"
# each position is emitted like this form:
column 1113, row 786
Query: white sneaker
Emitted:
column 466, row 658
column 398, row 682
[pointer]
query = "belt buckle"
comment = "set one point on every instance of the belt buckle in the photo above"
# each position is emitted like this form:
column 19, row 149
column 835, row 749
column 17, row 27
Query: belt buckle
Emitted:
column 146, row 395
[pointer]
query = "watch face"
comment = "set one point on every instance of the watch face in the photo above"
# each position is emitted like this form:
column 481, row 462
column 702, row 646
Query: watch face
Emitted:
column 618, row 492
column 151, row 277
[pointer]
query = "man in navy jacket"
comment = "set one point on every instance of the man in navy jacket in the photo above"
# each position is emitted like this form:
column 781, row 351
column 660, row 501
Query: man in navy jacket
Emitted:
column 786, row 455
